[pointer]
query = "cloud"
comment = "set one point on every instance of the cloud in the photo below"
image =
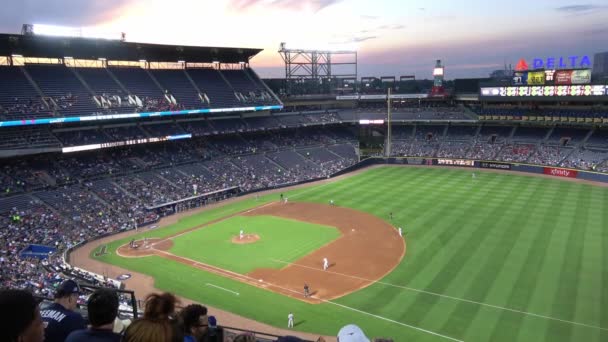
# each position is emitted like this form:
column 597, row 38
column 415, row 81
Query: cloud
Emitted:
column 77, row 13
column 391, row 27
column 579, row 9
column 354, row 40
column 369, row 17
column 293, row 5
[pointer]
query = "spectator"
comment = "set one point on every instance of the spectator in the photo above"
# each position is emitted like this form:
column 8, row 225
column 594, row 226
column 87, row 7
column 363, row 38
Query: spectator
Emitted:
column 351, row 333
column 195, row 322
column 103, row 309
column 22, row 322
column 157, row 324
column 215, row 333
column 60, row 318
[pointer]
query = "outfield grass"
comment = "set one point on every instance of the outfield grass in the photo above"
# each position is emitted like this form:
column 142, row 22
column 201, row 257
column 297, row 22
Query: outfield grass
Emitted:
column 212, row 245
column 474, row 246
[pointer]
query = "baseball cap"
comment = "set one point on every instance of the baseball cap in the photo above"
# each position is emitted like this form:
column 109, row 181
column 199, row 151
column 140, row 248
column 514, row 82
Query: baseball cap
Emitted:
column 212, row 321
column 351, row 333
column 68, row 287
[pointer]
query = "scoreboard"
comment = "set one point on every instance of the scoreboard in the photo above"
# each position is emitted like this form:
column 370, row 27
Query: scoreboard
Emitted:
column 547, row 91
column 570, row 84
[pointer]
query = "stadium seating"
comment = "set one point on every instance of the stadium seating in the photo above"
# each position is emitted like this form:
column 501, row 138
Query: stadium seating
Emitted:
column 63, row 88
column 18, row 98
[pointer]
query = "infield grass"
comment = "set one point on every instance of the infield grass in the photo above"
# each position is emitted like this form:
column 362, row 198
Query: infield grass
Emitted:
column 279, row 238
column 498, row 258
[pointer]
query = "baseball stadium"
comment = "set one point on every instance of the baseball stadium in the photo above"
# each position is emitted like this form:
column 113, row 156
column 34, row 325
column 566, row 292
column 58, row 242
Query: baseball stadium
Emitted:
column 315, row 207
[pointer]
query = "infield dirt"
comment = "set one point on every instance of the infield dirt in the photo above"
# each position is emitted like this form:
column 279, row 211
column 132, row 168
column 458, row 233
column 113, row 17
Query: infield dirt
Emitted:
column 367, row 249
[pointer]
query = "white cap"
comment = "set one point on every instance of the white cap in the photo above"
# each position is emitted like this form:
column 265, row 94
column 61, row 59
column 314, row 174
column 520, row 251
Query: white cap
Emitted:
column 351, row 333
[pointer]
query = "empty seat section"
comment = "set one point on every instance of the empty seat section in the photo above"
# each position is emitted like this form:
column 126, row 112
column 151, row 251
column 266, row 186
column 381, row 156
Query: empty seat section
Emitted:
column 176, row 83
column 60, row 83
column 210, row 82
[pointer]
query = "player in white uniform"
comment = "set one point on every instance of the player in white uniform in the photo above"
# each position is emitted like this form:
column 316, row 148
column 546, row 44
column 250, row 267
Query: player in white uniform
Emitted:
column 290, row 320
column 400, row 232
column 331, row 202
column 241, row 234
column 325, row 264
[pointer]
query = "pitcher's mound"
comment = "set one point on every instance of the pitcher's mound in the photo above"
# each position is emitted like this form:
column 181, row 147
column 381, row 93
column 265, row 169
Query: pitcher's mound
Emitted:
column 247, row 238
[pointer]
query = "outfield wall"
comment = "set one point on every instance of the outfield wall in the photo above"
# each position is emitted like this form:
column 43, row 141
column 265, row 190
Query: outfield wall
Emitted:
column 557, row 172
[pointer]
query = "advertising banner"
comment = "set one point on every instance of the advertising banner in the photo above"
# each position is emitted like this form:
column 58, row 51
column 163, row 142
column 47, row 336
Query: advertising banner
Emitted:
column 456, row 162
column 493, row 165
column 563, row 77
column 581, row 76
column 536, row 78
column 560, row 172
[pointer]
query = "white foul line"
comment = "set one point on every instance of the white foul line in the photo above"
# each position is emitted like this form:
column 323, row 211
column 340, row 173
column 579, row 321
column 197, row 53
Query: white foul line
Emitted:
column 392, row 321
column 449, row 297
column 221, row 288
column 320, row 299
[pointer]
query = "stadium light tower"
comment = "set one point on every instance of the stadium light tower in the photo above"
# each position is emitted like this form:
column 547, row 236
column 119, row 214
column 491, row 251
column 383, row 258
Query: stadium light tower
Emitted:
column 64, row 31
column 316, row 65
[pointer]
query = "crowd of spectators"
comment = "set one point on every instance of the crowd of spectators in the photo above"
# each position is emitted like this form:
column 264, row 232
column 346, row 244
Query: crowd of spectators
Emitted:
column 25, row 107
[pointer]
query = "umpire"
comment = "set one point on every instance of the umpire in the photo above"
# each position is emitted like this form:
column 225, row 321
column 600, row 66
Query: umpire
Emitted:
column 306, row 291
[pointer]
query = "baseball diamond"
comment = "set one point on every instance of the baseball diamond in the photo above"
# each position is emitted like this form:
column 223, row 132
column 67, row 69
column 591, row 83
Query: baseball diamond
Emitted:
column 483, row 254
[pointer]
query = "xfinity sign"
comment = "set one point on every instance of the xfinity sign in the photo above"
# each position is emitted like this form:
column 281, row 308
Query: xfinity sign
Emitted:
column 571, row 62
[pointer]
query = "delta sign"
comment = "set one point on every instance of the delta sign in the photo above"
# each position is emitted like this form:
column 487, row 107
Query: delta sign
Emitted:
column 570, row 62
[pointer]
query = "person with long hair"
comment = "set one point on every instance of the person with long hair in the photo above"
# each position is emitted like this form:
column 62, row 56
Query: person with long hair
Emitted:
column 158, row 323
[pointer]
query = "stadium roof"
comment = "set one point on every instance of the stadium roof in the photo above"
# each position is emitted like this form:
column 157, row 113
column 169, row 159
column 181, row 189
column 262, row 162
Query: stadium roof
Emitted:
column 89, row 48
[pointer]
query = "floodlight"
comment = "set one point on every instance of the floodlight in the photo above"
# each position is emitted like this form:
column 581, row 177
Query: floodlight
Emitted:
column 101, row 59
column 67, row 57
column 17, row 56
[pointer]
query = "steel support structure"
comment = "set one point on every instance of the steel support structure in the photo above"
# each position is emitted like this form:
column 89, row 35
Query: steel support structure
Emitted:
column 318, row 66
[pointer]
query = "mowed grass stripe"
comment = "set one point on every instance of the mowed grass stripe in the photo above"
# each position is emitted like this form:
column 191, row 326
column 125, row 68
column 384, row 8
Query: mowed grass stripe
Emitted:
column 443, row 274
column 564, row 302
column 496, row 254
column 384, row 298
column 603, row 297
column 543, row 294
column 589, row 288
column 506, row 323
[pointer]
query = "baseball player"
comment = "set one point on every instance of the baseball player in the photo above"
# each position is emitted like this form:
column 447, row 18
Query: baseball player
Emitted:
column 241, row 234
column 325, row 264
column 290, row 320
column 473, row 175
column 400, row 232
column 331, row 202
column 390, row 215
column 306, row 291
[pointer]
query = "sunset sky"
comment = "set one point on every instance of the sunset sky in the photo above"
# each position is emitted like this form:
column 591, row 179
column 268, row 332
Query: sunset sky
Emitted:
column 392, row 37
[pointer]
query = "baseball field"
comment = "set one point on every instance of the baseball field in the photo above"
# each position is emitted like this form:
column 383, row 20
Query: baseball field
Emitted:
column 498, row 257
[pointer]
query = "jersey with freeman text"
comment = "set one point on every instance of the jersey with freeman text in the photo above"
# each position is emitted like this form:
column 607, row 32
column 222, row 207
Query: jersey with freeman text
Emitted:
column 59, row 322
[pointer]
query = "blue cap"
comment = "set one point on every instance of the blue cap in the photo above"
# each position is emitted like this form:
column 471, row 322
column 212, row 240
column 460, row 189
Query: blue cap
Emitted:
column 212, row 321
column 67, row 288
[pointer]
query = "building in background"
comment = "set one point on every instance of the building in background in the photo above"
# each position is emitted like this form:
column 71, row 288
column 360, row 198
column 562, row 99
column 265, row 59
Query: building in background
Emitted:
column 600, row 66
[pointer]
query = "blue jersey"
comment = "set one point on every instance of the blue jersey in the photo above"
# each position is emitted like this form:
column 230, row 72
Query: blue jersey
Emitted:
column 59, row 322
column 93, row 335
